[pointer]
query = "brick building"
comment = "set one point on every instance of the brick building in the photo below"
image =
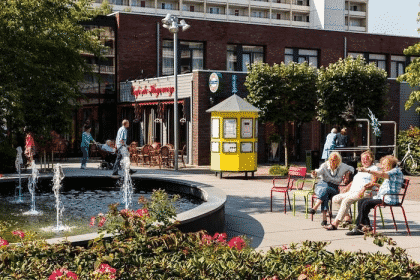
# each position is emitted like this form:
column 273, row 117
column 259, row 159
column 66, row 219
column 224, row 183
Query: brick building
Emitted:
column 144, row 54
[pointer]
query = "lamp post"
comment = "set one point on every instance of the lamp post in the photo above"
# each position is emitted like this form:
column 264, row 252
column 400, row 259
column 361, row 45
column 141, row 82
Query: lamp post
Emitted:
column 170, row 22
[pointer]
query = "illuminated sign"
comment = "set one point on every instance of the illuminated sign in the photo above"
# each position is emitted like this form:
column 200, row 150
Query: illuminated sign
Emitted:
column 153, row 90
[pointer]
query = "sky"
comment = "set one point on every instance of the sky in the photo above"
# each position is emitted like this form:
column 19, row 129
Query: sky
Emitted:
column 394, row 17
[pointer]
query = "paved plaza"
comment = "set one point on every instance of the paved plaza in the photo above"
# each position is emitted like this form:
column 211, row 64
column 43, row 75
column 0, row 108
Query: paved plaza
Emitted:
column 248, row 211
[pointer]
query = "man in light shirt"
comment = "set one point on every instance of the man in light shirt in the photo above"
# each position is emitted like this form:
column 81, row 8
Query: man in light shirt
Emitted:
column 121, row 141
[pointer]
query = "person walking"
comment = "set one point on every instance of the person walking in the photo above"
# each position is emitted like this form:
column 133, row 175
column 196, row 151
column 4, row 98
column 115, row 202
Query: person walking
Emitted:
column 329, row 143
column 121, row 141
column 29, row 148
column 86, row 139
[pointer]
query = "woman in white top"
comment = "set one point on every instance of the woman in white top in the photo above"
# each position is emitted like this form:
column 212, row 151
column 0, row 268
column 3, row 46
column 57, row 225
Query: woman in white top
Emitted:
column 331, row 173
column 356, row 191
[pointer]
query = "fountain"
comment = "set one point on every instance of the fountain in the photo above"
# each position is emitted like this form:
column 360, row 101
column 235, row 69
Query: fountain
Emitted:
column 58, row 177
column 18, row 165
column 127, row 186
column 31, row 186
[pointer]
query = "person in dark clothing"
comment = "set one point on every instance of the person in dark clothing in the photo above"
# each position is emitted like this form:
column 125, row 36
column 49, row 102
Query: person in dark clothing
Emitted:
column 342, row 139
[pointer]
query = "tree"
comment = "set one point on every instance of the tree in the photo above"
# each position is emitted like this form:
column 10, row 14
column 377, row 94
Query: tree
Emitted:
column 40, row 62
column 412, row 77
column 347, row 88
column 283, row 93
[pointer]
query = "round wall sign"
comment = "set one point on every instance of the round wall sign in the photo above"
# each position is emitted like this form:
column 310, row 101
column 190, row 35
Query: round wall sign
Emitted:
column 214, row 82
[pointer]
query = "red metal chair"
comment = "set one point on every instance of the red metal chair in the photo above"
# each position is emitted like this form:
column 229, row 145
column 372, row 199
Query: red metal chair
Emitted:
column 295, row 174
column 402, row 193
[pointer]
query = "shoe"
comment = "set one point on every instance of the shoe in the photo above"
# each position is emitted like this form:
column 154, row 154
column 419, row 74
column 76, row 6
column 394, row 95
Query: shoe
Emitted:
column 354, row 231
column 324, row 223
column 331, row 227
column 82, row 167
column 132, row 171
column 311, row 211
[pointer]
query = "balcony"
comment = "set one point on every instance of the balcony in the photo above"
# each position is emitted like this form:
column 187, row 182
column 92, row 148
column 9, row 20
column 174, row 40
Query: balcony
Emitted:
column 103, row 69
column 223, row 2
column 192, row 14
column 301, row 8
column 144, row 10
column 166, row 11
column 281, row 6
column 260, row 4
column 238, row 2
column 357, row 28
column 280, row 22
column 300, row 23
column 357, row 14
column 260, row 20
column 238, row 18
column 216, row 16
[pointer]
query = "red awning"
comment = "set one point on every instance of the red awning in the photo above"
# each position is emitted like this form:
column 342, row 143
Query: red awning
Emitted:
column 181, row 101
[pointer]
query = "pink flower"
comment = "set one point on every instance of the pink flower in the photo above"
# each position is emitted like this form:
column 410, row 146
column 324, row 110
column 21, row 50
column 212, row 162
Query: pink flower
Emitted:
column 206, row 239
column 62, row 271
column 237, row 242
column 125, row 213
column 3, row 242
column 92, row 221
column 220, row 237
column 102, row 222
column 19, row 233
column 106, row 268
column 142, row 212
column 284, row 247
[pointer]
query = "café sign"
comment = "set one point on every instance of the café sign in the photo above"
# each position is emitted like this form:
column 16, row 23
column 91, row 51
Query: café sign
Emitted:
column 152, row 90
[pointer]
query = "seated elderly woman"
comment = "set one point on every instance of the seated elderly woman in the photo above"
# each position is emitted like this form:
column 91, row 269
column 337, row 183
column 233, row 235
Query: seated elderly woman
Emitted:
column 391, row 186
column 107, row 147
column 356, row 189
column 331, row 173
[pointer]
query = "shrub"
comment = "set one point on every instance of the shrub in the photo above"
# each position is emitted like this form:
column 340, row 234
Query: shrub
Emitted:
column 280, row 170
column 140, row 252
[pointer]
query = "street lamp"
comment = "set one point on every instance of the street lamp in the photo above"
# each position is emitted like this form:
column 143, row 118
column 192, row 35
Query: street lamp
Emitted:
column 170, row 22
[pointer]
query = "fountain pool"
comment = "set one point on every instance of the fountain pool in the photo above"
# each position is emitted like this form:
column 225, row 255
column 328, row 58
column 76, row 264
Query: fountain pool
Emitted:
column 84, row 197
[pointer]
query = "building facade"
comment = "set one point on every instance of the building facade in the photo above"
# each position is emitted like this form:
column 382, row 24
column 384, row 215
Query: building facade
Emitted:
column 341, row 15
column 145, row 59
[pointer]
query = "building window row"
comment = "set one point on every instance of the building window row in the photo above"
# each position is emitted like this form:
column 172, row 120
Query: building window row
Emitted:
column 191, row 56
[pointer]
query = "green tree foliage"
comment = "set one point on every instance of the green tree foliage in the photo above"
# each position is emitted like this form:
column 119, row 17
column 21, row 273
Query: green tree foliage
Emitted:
column 412, row 77
column 40, row 61
column 283, row 93
column 347, row 88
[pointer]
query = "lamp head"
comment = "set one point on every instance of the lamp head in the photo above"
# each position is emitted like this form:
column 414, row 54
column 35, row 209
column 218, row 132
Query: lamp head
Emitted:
column 174, row 27
column 184, row 25
column 166, row 20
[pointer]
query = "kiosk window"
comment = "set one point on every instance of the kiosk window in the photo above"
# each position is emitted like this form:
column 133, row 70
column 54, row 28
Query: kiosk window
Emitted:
column 215, row 128
column 229, row 128
column 246, row 147
column 229, row 147
column 246, row 128
column 215, row 147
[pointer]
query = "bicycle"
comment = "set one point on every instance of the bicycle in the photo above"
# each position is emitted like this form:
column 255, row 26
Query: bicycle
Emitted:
column 409, row 164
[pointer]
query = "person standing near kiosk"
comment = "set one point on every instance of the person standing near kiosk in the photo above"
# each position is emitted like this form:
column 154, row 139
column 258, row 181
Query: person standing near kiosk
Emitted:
column 121, row 141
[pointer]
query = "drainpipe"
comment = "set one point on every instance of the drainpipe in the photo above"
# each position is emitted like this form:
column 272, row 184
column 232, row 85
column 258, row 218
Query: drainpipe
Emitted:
column 345, row 47
column 158, row 49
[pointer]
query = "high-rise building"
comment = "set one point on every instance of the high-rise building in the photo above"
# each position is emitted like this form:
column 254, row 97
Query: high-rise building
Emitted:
column 338, row 15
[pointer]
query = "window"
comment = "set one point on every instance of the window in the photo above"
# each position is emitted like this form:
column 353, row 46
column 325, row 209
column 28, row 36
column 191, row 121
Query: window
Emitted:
column 143, row 4
column 398, row 64
column 258, row 14
column 191, row 8
column 167, row 6
column 214, row 10
column 301, row 55
column 239, row 56
column 354, row 8
column 237, row 13
column 378, row 59
column 355, row 22
column 355, row 55
column 278, row 16
column 190, row 54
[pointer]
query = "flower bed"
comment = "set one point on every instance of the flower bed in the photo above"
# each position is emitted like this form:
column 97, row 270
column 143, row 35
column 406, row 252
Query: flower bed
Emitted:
column 148, row 246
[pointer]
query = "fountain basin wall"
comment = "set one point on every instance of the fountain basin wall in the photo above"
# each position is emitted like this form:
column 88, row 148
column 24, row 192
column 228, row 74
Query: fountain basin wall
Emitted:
column 210, row 215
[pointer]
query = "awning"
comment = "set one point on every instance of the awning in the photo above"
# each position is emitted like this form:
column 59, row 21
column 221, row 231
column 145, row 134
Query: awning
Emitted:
column 181, row 101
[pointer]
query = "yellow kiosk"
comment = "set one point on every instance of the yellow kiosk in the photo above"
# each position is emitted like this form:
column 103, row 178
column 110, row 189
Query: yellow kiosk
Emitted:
column 234, row 136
